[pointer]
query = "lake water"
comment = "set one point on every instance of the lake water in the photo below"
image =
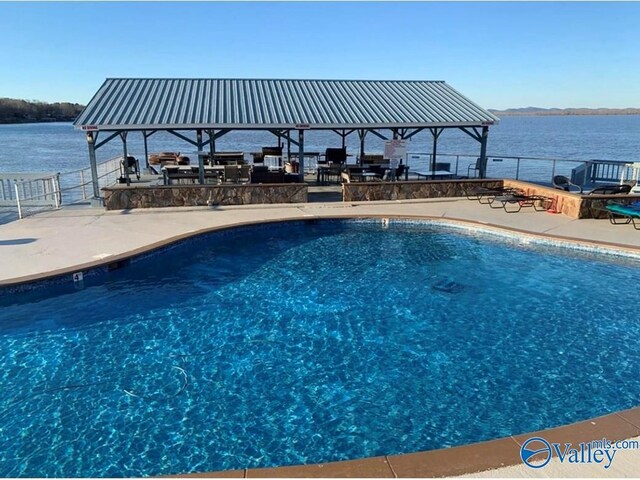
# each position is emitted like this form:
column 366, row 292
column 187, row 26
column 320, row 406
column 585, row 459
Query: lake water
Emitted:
column 58, row 147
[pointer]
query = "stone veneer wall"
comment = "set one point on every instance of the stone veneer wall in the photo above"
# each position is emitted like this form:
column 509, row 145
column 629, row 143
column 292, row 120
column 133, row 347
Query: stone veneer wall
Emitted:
column 569, row 204
column 573, row 205
column 121, row 198
column 368, row 191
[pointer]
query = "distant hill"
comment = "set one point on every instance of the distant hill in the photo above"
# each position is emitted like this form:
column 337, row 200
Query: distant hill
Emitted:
column 566, row 111
column 22, row 111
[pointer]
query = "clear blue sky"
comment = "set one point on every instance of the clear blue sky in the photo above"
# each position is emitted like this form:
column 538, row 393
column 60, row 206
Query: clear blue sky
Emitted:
column 499, row 54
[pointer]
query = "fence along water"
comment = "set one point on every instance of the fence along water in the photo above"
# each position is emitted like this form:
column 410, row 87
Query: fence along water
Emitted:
column 27, row 193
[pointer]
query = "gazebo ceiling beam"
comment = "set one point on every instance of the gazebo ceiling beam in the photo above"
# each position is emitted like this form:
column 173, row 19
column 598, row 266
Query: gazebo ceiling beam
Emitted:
column 108, row 139
column 218, row 134
column 415, row 132
column 476, row 135
column 343, row 133
column 287, row 136
column 183, row 137
column 378, row 134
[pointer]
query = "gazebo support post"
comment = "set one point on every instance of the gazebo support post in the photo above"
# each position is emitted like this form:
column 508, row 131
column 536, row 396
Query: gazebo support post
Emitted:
column 146, row 149
column 94, row 166
column 301, row 154
column 212, row 145
column 362, row 133
column 125, row 159
column 483, row 152
column 200, row 157
column 436, row 133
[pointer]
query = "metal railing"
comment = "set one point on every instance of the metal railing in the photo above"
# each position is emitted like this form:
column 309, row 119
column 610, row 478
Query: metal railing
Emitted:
column 28, row 193
column 77, row 185
column 534, row 169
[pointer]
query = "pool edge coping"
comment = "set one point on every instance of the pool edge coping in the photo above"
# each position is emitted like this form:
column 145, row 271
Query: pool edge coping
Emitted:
column 611, row 248
column 453, row 461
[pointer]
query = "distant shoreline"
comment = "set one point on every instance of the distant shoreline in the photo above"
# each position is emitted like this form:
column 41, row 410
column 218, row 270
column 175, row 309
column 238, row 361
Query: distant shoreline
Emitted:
column 48, row 120
column 534, row 111
column 15, row 111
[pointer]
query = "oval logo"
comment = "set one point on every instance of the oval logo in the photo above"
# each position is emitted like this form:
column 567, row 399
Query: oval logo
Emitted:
column 535, row 449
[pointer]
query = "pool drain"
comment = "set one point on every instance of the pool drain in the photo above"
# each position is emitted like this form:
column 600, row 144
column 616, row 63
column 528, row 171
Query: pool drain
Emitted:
column 447, row 286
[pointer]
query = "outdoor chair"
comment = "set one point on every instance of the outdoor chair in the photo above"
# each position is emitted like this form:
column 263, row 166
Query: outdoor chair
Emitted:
column 563, row 183
column 228, row 158
column 258, row 157
column 244, row 174
column 130, row 167
column 334, row 170
column 394, row 175
column 372, row 159
column 335, row 155
column 262, row 174
column 231, row 174
column 474, row 167
column 379, row 170
column 611, row 190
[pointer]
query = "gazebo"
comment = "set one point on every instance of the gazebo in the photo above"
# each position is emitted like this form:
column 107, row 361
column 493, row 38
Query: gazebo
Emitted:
column 287, row 108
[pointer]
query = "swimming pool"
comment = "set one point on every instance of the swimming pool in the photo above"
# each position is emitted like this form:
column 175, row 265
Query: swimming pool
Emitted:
column 309, row 342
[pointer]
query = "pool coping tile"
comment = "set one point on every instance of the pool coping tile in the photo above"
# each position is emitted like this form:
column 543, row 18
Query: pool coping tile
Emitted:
column 612, row 427
column 457, row 460
column 220, row 474
column 374, row 467
column 631, row 415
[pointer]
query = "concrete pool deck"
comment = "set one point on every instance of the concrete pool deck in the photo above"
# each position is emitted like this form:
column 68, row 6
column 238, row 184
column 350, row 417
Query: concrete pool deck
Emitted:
column 77, row 238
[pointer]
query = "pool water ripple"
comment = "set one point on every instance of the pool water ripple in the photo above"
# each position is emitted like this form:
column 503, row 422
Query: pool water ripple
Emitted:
column 309, row 343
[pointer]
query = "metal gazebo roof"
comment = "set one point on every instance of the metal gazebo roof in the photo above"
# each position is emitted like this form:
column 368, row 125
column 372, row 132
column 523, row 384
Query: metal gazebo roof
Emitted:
column 175, row 103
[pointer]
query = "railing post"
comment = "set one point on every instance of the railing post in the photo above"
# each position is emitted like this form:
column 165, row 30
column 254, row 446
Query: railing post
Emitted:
column 517, row 168
column 84, row 187
column 15, row 186
column 553, row 169
column 56, row 190
column 457, row 161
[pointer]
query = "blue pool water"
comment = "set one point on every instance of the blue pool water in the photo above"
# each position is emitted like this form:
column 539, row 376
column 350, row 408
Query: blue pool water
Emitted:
column 311, row 342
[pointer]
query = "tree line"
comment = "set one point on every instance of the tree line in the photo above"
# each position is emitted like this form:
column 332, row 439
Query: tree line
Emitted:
column 22, row 111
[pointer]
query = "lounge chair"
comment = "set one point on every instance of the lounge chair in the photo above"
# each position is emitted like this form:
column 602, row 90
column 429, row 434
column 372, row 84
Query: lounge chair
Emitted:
column 629, row 213
column 563, row 183
column 484, row 194
column 518, row 201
